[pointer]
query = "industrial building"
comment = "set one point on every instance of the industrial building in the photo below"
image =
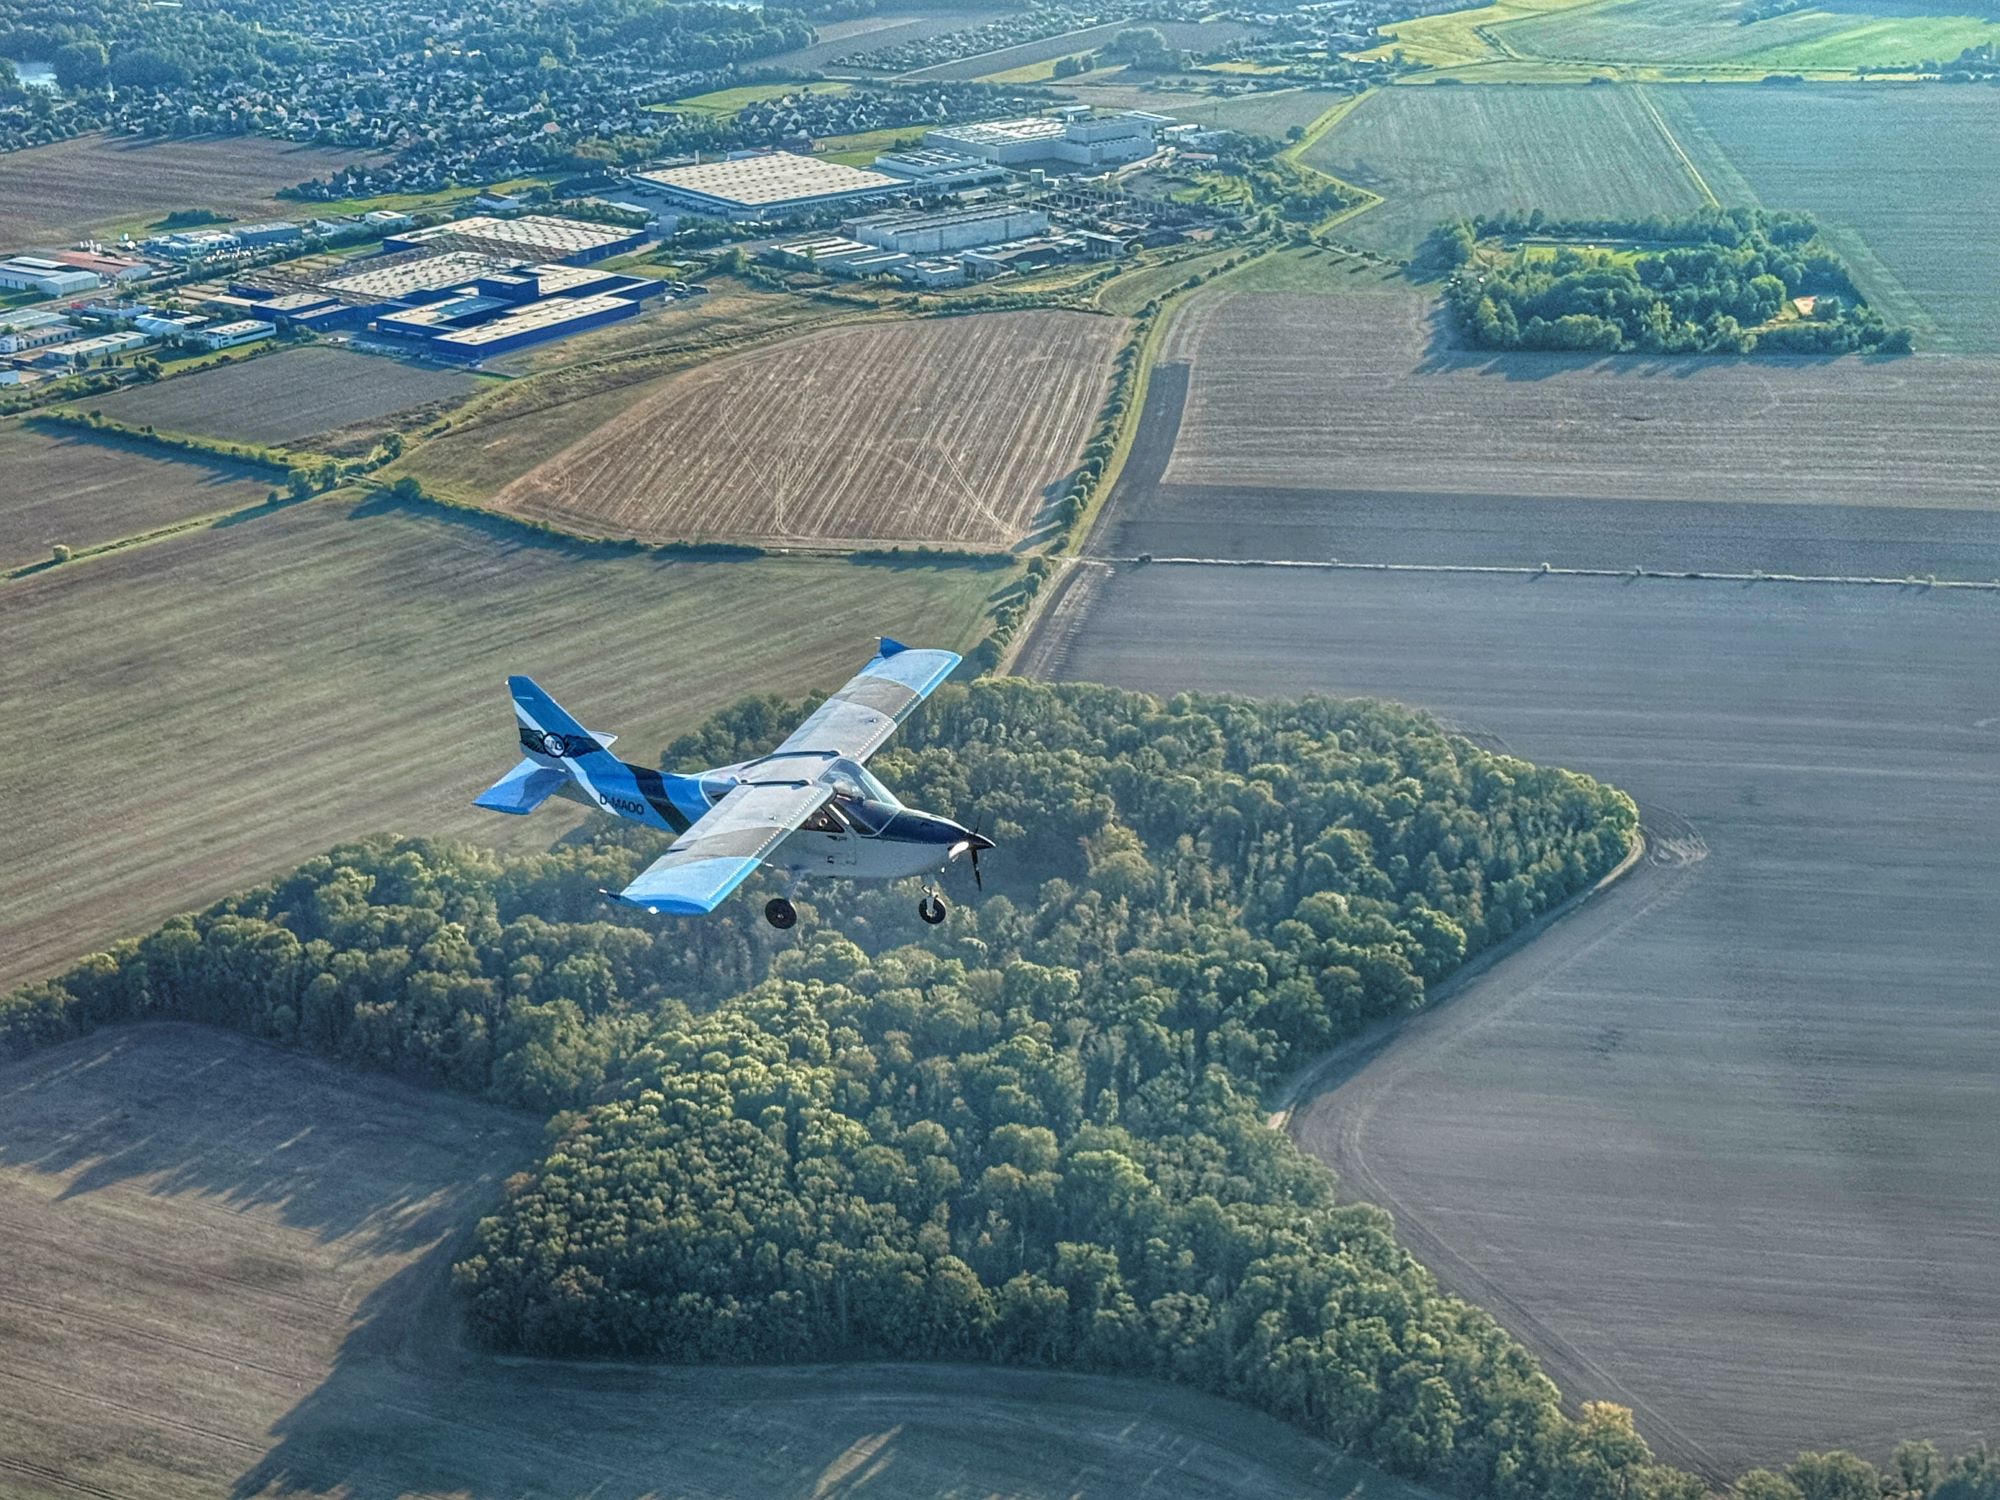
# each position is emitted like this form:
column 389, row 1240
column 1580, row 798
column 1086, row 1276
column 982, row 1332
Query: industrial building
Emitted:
column 1077, row 139
column 917, row 233
column 842, row 257
column 32, row 328
column 554, row 318
column 545, row 237
column 112, row 269
column 259, row 236
column 83, row 351
column 31, row 273
column 767, row 185
column 931, row 171
column 229, row 335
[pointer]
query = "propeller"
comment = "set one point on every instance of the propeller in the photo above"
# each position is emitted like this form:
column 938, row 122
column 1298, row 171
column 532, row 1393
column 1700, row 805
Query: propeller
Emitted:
column 979, row 841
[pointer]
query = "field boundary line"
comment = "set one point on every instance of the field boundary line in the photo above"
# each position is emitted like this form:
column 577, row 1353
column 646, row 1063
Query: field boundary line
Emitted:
column 1303, row 1083
column 1321, row 127
column 1547, row 570
column 1673, row 144
column 164, row 533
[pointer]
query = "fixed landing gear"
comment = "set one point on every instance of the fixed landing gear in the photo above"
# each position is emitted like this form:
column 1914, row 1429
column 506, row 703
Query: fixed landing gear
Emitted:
column 780, row 913
column 932, row 908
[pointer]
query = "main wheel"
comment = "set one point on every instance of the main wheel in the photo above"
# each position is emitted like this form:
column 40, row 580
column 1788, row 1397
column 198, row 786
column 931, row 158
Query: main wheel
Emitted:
column 932, row 909
column 780, row 913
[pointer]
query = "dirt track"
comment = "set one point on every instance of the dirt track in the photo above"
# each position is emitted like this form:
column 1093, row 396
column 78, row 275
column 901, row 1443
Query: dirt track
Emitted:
column 226, row 1276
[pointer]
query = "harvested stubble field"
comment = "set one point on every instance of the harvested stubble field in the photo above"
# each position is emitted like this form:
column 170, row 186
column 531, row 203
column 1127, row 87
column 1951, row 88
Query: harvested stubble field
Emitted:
column 294, row 394
column 82, row 490
column 1436, row 154
column 945, row 430
column 53, row 194
column 227, row 1275
column 269, row 688
column 1906, row 182
column 1722, row 1145
column 1351, row 426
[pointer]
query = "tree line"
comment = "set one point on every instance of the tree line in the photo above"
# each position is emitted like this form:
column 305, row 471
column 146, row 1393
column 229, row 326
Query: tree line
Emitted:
column 1036, row 1135
column 1710, row 283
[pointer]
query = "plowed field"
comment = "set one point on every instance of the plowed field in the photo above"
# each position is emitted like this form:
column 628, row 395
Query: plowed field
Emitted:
column 952, row 431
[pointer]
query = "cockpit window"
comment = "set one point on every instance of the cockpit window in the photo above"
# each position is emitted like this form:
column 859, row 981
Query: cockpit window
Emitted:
column 851, row 781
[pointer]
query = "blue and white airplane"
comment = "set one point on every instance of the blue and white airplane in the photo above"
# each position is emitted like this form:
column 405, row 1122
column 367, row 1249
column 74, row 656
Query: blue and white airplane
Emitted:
column 809, row 807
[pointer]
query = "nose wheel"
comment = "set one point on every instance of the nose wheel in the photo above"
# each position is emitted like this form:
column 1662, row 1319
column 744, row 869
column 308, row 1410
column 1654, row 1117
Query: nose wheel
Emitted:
column 780, row 913
column 932, row 908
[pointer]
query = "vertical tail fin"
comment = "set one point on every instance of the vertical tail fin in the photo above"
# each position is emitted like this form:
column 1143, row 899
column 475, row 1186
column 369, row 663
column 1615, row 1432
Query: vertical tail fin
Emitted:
column 559, row 751
column 548, row 734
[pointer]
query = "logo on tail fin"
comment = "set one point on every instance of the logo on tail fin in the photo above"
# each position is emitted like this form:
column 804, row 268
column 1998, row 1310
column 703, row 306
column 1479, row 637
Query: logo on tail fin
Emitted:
column 558, row 746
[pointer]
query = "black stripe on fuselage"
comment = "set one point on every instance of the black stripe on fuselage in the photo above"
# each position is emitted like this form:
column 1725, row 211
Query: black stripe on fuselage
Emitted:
column 653, row 787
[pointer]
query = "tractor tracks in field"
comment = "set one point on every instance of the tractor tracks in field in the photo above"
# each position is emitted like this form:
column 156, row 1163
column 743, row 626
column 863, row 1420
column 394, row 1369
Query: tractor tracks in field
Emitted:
column 1327, row 1107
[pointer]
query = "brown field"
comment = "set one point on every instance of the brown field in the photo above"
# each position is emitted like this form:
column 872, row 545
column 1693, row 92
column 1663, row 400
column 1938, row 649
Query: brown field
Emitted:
column 348, row 661
column 226, row 1276
column 947, row 430
column 53, row 194
column 292, row 395
column 1721, row 1146
column 62, row 486
column 1350, row 426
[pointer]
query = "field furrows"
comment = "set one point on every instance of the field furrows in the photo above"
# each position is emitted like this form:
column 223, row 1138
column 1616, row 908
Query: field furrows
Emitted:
column 946, row 430
column 312, row 675
column 289, row 395
column 1440, row 154
column 1726, row 1155
column 79, row 490
column 140, row 1168
column 1377, row 397
column 51, row 194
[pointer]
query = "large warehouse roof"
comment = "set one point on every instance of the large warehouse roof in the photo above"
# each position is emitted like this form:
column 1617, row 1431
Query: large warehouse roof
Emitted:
column 774, row 177
column 535, row 234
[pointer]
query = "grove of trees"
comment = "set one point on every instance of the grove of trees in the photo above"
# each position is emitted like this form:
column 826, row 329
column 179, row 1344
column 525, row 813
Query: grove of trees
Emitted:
column 1034, row 1135
column 1710, row 283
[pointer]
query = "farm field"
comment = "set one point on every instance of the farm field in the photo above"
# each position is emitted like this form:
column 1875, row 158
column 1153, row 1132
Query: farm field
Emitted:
column 53, row 194
column 1436, row 154
column 1719, row 1147
column 227, row 1274
column 352, row 658
column 1839, row 36
column 294, row 394
column 81, row 491
column 997, row 65
column 1268, row 114
column 1906, row 182
column 943, row 430
column 838, row 39
column 1389, row 443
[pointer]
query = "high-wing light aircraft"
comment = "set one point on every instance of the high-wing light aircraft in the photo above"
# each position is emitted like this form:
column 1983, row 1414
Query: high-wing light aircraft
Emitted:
column 809, row 807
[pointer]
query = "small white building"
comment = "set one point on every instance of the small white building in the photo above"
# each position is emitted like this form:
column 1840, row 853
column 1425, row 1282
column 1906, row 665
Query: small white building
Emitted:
column 167, row 325
column 229, row 335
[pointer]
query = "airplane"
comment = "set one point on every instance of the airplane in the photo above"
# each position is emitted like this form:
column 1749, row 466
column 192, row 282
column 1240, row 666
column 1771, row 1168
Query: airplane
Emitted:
column 809, row 808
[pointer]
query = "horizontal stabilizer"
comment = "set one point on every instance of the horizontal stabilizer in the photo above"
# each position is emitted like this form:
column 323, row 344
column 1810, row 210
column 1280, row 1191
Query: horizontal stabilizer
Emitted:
column 522, row 789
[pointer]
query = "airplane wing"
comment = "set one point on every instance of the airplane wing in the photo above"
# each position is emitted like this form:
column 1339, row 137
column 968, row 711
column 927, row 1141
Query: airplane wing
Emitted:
column 723, row 846
column 857, row 720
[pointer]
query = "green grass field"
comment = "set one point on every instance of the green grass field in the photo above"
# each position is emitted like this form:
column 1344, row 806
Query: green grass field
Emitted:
column 1906, row 181
column 1835, row 37
column 336, row 668
column 724, row 102
column 1436, row 154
